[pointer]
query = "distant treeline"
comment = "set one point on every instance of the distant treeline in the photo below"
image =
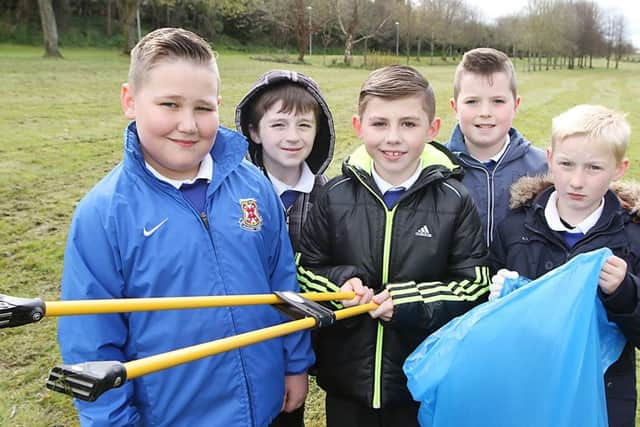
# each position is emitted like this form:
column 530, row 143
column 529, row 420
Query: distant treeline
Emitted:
column 551, row 33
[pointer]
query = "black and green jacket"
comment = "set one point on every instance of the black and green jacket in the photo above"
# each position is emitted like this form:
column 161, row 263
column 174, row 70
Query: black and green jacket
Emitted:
column 428, row 251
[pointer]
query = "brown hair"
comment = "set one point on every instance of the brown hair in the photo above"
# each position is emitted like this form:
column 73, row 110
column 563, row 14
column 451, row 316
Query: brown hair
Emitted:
column 484, row 61
column 294, row 98
column 394, row 82
column 169, row 44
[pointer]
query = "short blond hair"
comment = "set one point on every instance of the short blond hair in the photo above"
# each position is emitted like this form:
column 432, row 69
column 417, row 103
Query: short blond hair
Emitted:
column 168, row 44
column 597, row 124
column 395, row 82
column 485, row 61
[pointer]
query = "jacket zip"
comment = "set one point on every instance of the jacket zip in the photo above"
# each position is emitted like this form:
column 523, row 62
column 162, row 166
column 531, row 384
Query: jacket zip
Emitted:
column 377, row 373
column 490, row 191
column 205, row 221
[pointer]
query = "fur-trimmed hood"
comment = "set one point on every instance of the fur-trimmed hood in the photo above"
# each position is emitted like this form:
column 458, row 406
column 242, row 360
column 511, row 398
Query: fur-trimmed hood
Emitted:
column 528, row 188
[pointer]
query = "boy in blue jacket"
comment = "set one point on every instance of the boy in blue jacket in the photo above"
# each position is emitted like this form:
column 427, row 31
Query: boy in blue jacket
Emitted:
column 576, row 212
column 492, row 152
column 398, row 223
column 182, row 215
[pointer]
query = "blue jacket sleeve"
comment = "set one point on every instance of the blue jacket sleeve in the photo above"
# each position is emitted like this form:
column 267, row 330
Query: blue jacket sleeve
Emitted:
column 298, row 353
column 92, row 271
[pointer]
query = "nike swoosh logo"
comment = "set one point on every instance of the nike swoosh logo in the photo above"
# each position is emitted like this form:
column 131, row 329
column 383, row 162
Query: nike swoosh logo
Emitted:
column 148, row 233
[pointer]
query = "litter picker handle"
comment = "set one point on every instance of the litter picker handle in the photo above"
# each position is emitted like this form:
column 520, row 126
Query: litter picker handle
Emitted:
column 87, row 381
column 20, row 311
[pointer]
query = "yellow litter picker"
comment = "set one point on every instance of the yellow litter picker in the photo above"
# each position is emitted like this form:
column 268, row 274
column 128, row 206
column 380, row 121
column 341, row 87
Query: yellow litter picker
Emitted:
column 89, row 380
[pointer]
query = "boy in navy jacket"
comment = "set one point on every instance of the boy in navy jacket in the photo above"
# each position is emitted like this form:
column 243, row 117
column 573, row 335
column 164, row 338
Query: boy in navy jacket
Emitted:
column 492, row 152
column 576, row 212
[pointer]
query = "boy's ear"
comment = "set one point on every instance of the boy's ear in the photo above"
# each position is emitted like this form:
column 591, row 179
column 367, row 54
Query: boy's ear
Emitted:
column 254, row 135
column 454, row 107
column 516, row 104
column 549, row 155
column 434, row 128
column 357, row 125
column 128, row 102
column 621, row 169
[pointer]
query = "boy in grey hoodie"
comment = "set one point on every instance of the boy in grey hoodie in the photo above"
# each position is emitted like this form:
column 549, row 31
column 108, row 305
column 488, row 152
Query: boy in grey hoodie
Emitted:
column 291, row 139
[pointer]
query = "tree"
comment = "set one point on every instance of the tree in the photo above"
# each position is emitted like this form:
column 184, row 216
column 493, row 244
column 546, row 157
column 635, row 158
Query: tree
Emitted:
column 351, row 23
column 49, row 29
column 127, row 10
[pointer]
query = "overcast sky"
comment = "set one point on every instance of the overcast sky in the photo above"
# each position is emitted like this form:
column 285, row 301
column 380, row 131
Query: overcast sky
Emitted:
column 630, row 8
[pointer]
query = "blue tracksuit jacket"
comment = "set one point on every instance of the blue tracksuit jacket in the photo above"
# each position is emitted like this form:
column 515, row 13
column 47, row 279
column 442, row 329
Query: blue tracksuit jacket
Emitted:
column 135, row 236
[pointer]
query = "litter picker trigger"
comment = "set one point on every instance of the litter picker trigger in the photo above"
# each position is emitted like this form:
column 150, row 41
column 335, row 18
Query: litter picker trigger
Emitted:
column 297, row 307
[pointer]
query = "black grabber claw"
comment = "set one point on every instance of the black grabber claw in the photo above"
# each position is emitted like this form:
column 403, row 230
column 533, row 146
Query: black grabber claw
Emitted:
column 20, row 311
column 297, row 307
column 87, row 381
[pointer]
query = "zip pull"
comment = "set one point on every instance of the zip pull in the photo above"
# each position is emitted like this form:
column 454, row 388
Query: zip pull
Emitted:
column 205, row 220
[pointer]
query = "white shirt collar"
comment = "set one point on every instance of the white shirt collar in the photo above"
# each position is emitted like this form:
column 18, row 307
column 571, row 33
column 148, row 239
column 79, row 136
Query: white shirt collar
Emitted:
column 205, row 171
column 304, row 185
column 552, row 216
column 384, row 186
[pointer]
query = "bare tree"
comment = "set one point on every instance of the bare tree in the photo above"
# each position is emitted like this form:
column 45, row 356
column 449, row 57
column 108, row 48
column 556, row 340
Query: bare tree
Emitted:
column 49, row 29
column 349, row 15
column 619, row 37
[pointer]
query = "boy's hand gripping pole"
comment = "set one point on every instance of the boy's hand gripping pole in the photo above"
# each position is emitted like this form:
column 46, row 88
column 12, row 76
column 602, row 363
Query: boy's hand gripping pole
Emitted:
column 87, row 381
column 20, row 311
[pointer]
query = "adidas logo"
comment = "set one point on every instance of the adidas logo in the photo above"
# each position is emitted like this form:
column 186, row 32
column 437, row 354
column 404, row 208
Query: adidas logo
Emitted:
column 423, row 232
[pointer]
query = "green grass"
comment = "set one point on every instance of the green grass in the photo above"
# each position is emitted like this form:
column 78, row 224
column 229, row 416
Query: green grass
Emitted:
column 61, row 124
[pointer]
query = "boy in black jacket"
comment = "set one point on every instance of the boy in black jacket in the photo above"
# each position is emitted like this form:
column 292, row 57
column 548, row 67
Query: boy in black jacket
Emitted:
column 397, row 223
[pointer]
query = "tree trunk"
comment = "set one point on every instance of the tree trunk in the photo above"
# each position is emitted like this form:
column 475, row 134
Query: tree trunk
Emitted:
column 364, row 54
column 127, row 13
column 49, row 29
column 432, row 47
column 62, row 11
column 348, row 47
column 109, row 18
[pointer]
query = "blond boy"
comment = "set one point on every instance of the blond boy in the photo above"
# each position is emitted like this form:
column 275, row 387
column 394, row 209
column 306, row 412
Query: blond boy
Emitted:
column 577, row 212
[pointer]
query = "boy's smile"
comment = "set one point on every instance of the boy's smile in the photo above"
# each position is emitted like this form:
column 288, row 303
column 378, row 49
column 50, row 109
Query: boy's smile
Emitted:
column 394, row 132
column 176, row 114
column 582, row 170
column 287, row 140
column 485, row 109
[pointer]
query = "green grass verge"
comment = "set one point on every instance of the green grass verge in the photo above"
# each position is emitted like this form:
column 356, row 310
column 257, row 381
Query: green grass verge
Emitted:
column 61, row 124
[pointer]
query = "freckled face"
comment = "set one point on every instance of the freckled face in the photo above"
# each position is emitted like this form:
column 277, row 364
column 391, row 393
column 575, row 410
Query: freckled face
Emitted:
column 286, row 139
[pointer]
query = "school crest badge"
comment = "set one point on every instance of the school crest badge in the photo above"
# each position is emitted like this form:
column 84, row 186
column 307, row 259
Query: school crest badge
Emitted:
column 251, row 219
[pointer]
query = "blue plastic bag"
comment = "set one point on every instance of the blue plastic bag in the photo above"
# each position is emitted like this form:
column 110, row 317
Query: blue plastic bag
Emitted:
column 535, row 357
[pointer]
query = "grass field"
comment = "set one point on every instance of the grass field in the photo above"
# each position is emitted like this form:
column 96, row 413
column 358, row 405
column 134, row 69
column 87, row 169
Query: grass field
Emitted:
column 61, row 124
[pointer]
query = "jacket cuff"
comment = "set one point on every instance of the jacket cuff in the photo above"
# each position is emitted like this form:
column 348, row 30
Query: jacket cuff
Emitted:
column 623, row 300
